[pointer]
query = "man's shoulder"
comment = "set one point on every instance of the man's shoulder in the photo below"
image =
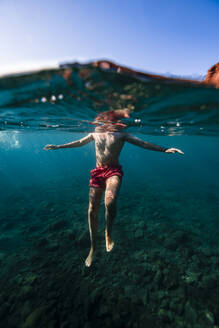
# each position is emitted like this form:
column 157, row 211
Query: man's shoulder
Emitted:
column 122, row 134
column 119, row 135
column 125, row 135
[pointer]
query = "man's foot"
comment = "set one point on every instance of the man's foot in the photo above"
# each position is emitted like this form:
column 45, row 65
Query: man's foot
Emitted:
column 109, row 243
column 89, row 259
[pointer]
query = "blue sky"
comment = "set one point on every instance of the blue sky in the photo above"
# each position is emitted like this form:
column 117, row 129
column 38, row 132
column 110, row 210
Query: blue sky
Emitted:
column 176, row 37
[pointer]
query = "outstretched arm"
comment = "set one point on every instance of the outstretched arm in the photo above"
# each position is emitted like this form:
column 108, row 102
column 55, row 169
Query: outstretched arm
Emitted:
column 73, row 144
column 147, row 145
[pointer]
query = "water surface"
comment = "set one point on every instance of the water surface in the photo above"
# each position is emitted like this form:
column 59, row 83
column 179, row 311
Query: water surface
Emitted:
column 163, row 271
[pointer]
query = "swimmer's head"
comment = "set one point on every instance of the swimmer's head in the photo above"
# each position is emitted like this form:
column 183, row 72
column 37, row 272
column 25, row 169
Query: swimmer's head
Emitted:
column 122, row 113
column 113, row 115
column 111, row 120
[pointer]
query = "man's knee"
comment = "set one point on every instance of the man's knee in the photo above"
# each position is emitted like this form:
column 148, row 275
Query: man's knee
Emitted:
column 110, row 202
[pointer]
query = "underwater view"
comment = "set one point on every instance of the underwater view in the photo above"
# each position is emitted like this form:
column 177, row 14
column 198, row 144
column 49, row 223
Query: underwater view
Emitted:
column 164, row 268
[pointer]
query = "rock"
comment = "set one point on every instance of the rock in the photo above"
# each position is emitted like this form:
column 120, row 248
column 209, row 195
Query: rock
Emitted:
column 207, row 251
column 142, row 225
column 180, row 236
column 139, row 255
column 145, row 257
column 176, row 239
column 158, row 277
column 53, row 295
column 58, row 225
column 190, row 314
column 181, row 293
column 171, row 281
column 164, row 304
column 108, row 323
column 166, row 272
column 146, row 320
column 139, row 233
column 2, row 255
column 52, row 324
column 83, row 239
column 170, row 243
column 179, row 323
column 212, row 76
column 210, row 281
column 34, row 317
column 103, row 310
column 26, row 292
column 65, row 324
column 4, row 242
column 43, row 242
column 123, row 306
column 161, row 294
column 191, row 277
column 145, row 298
column 174, row 304
column 31, row 279
column 109, row 65
column 52, row 247
column 179, row 309
column 95, row 296
column 87, row 325
column 165, row 316
column 69, row 234
column 25, row 309
column 136, row 300
column 209, row 317
column 4, row 310
column 128, row 291
column 116, row 318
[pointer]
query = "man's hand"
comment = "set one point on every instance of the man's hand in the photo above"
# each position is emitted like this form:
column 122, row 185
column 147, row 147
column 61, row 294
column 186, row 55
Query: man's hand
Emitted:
column 48, row 147
column 173, row 150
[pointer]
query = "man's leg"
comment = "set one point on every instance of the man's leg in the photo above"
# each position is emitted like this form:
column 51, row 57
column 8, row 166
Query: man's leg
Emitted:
column 111, row 194
column 94, row 203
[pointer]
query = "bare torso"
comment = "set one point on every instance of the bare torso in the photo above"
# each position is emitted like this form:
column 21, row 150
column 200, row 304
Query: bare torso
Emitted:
column 108, row 147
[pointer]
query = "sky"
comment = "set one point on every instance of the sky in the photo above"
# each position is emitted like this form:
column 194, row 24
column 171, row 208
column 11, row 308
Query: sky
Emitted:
column 168, row 37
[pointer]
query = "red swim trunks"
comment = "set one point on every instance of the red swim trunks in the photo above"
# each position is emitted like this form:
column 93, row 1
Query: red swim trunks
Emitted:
column 100, row 174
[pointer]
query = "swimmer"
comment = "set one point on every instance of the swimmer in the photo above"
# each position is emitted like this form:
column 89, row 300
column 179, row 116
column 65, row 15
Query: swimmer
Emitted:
column 106, row 178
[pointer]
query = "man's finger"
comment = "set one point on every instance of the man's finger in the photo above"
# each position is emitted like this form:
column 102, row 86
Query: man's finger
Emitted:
column 179, row 151
column 47, row 147
column 174, row 150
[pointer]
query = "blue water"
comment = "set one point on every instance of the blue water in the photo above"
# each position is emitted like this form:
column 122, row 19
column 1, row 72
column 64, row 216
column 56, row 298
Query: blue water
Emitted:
column 163, row 271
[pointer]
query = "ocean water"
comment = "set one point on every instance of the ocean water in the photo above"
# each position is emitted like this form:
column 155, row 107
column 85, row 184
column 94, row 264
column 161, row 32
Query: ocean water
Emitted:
column 164, row 268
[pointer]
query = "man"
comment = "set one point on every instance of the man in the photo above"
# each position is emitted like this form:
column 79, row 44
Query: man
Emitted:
column 107, row 176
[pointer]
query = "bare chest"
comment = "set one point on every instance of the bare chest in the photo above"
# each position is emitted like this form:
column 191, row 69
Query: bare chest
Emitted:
column 108, row 141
